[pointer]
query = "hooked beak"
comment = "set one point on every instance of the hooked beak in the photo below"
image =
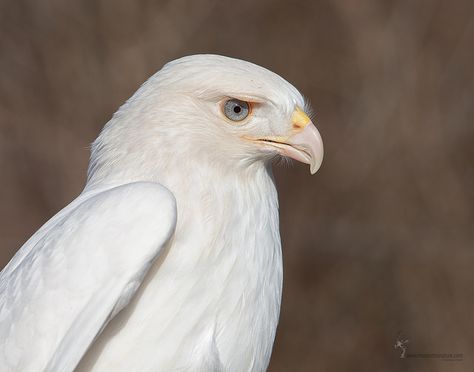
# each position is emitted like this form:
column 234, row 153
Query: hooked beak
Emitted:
column 303, row 144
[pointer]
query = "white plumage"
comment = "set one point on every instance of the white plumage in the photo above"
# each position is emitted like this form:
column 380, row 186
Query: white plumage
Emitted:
column 170, row 258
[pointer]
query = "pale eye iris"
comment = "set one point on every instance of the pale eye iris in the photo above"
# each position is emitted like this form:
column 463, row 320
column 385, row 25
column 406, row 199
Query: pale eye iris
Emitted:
column 236, row 110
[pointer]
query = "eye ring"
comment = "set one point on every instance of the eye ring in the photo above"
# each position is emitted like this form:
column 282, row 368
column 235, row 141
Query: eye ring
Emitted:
column 236, row 110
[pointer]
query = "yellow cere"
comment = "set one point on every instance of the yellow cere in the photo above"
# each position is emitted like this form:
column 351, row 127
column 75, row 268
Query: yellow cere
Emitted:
column 299, row 118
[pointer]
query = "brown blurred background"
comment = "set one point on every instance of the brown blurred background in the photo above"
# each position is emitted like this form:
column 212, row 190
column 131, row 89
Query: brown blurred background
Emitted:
column 379, row 242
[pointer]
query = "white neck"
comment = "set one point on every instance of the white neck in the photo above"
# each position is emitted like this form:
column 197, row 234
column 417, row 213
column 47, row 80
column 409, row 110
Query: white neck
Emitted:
column 226, row 247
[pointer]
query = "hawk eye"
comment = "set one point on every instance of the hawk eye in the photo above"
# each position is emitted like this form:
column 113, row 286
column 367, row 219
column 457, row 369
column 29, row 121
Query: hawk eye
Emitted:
column 236, row 110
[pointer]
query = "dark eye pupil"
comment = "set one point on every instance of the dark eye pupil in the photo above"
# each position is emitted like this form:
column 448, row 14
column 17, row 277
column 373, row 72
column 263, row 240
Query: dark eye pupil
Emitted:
column 237, row 109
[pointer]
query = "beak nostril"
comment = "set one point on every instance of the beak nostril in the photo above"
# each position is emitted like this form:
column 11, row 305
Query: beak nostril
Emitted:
column 299, row 119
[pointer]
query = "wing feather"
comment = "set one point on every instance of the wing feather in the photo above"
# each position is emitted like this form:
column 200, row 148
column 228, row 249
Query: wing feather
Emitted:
column 71, row 279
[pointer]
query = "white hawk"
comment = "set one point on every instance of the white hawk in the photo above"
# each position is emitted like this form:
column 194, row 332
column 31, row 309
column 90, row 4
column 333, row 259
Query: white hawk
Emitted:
column 170, row 259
